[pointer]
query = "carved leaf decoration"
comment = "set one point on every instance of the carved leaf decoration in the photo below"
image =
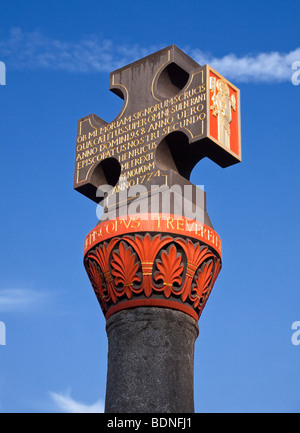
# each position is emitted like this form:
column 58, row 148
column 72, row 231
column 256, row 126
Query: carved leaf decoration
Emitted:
column 147, row 249
column 124, row 269
column 216, row 271
column 215, row 276
column 203, row 283
column 196, row 255
column 170, row 270
column 101, row 256
column 186, row 268
column 96, row 279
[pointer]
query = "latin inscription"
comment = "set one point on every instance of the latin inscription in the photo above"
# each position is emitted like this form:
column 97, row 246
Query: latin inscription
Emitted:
column 159, row 223
column 132, row 139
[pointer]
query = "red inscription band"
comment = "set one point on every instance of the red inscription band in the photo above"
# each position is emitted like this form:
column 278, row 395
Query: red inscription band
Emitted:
column 162, row 223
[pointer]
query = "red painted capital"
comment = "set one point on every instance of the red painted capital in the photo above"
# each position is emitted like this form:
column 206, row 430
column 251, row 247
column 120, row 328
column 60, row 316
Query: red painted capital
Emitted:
column 147, row 260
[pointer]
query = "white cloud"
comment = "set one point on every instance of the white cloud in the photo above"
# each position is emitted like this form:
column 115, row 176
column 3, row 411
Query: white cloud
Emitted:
column 21, row 50
column 12, row 300
column 33, row 50
column 66, row 403
column 262, row 67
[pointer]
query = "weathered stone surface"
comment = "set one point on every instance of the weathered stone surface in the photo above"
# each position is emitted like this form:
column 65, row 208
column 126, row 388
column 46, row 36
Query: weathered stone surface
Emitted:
column 150, row 361
column 175, row 113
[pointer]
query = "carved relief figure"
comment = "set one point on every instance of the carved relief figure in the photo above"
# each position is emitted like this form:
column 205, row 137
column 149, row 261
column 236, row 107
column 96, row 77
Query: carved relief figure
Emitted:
column 221, row 107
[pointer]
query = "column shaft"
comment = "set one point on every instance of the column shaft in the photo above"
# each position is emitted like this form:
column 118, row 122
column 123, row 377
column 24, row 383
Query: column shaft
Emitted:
column 150, row 361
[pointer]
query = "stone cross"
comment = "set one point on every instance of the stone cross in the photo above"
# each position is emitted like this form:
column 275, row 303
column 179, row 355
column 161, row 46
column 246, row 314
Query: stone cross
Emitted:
column 175, row 113
column 153, row 276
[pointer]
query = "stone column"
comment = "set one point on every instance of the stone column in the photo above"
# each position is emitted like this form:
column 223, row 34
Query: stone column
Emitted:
column 154, row 260
column 150, row 361
column 152, row 278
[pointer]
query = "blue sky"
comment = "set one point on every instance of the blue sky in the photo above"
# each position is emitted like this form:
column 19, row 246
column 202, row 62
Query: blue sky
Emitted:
column 58, row 56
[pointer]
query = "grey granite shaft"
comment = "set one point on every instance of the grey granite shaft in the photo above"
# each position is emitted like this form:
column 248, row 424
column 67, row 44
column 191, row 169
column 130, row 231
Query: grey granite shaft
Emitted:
column 150, row 361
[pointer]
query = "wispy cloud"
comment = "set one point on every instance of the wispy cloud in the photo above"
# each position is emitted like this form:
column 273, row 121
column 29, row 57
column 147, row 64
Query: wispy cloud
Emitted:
column 34, row 50
column 15, row 300
column 261, row 67
column 66, row 403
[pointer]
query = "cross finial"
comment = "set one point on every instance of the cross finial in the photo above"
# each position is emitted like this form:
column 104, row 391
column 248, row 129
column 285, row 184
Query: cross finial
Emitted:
column 175, row 113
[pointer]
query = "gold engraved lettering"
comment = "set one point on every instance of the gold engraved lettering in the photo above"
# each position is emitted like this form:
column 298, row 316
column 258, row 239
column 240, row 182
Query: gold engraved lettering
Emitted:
column 133, row 139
